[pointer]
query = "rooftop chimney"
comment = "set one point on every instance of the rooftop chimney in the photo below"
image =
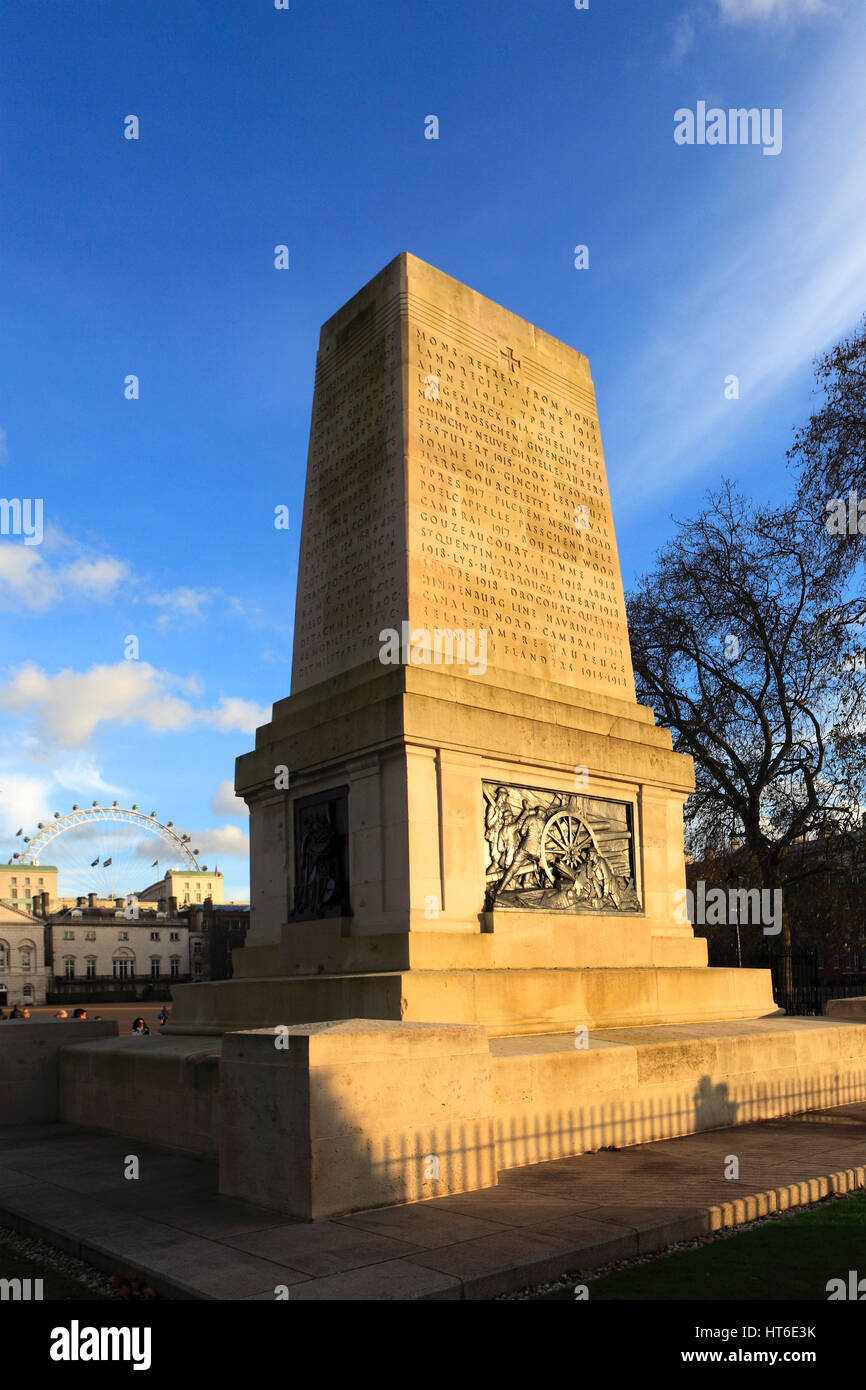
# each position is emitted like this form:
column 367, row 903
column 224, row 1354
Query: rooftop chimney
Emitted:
column 91, row 900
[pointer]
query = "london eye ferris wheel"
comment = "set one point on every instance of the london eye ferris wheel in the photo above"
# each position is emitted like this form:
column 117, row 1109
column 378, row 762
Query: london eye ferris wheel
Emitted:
column 111, row 851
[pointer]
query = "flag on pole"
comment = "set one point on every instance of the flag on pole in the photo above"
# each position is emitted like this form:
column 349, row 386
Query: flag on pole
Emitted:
column 94, row 862
column 19, row 832
column 106, row 864
column 154, row 864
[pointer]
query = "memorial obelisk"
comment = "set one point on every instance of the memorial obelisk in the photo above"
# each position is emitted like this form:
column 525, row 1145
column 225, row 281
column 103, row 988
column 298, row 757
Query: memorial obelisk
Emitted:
column 465, row 831
column 461, row 813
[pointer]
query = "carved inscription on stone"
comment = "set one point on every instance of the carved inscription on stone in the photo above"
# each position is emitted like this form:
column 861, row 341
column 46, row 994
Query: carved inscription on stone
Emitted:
column 557, row 852
column 455, row 481
column 352, row 568
column 510, row 521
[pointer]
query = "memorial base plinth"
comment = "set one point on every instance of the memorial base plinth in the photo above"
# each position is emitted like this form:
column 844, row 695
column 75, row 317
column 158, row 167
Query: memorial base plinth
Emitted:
column 336, row 1117
column 324, row 1119
column 503, row 1002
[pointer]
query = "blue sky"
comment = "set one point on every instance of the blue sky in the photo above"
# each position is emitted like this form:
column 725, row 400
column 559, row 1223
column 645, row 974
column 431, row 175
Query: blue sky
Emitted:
column 306, row 127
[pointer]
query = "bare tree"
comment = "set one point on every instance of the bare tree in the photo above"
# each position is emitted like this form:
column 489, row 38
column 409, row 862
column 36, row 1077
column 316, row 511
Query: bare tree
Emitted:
column 829, row 456
column 745, row 654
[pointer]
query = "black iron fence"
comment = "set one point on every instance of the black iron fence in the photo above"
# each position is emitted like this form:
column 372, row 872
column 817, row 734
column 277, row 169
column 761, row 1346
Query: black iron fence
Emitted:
column 800, row 989
column 119, row 989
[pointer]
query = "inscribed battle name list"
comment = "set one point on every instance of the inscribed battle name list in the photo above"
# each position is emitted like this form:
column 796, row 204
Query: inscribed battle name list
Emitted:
column 510, row 524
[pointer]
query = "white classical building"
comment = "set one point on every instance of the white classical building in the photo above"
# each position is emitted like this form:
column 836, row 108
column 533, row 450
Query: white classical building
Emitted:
column 23, row 972
column 120, row 948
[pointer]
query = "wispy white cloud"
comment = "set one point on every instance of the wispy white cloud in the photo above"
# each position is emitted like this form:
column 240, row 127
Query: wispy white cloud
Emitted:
column 71, row 704
column 223, row 839
column 181, row 604
column 37, row 578
column 682, row 39
column 65, row 570
column 225, row 803
column 32, row 781
column 187, row 605
column 234, row 713
column 774, row 11
column 782, row 275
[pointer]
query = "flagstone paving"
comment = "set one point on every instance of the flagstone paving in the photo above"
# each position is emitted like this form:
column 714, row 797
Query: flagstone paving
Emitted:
column 171, row 1228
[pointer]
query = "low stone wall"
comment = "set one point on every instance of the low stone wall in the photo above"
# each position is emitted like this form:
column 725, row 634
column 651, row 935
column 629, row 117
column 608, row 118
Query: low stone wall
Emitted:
column 29, row 1063
column 329, row 1118
column 321, row 1119
column 635, row 1086
column 166, row 1090
column 853, row 1009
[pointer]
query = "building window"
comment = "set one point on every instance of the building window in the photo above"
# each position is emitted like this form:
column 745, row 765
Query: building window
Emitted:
column 27, row 880
column 2, row 957
column 174, row 936
column 197, row 970
column 198, row 895
column 15, row 892
column 13, row 879
column 123, row 936
column 69, row 936
column 69, row 968
column 27, row 892
column 196, row 946
column 90, row 968
column 90, row 936
column 28, row 991
column 25, row 960
column 40, row 881
column 154, row 936
column 836, row 959
column 154, row 967
column 123, row 969
column 175, row 967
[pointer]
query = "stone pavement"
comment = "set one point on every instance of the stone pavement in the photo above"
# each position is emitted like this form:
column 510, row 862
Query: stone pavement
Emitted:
column 170, row 1227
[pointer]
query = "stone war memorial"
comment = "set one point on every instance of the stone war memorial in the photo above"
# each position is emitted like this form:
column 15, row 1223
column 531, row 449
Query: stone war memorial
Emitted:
column 466, row 834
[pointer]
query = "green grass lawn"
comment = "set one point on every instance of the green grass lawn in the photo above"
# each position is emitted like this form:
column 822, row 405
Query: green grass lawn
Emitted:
column 56, row 1287
column 790, row 1258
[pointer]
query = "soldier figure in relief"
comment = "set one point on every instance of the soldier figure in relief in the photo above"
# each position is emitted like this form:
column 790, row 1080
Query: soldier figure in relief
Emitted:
column 529, row 827
column 494, row 823
column 601, row 879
